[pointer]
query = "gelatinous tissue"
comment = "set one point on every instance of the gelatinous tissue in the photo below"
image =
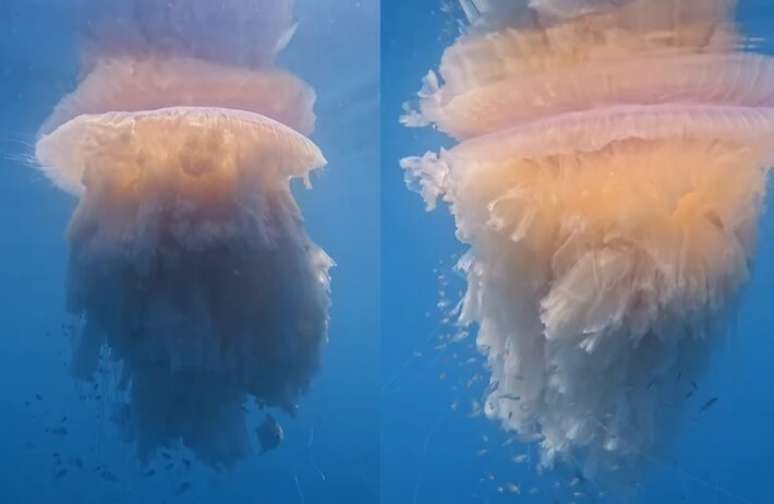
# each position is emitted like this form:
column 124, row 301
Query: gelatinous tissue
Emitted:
column 608, row 179
column 189, row 262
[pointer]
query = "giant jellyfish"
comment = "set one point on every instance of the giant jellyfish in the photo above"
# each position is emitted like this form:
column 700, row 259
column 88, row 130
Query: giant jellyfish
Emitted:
column 189, row 263
column 608, row 180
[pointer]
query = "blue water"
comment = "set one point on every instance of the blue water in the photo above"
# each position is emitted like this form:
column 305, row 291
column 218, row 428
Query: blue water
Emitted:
column 331, row 448
column 433, row 454
column 387, row 418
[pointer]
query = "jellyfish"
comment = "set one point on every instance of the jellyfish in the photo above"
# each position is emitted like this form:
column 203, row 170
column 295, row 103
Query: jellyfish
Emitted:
column 189, row 262
column 608, row 178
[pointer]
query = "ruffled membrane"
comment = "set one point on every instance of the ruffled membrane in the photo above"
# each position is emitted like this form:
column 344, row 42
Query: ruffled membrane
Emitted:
column 609, row 179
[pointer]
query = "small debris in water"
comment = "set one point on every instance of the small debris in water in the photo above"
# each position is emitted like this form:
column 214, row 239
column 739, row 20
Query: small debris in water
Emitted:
column 520, row 459
column 183, row 488
column 109, row 476
column 709, row 404
column 513, row 488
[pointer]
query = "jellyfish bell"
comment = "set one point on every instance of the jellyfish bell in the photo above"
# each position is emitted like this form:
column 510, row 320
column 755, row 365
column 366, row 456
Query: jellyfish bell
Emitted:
column 148, row 82
column 683, row 78
column 640, row 53
column 207, row 142
column 609, row 180
column 189, row 262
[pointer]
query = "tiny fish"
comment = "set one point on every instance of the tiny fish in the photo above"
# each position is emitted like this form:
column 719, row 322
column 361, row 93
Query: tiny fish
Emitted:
column 183, row 488
column 109, row 476
column 59, row 431
column 61, row 474
column 708, row 404
column 149, row 473
column 270, row 434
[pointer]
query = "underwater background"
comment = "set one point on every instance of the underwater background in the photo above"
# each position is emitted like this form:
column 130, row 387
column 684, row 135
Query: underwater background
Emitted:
column 58, row 443
column 389, row 416
column 434, row 447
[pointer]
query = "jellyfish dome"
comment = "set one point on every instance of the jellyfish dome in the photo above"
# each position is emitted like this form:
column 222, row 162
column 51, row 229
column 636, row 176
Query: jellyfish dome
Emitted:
column 608, row 180
column 189, row 262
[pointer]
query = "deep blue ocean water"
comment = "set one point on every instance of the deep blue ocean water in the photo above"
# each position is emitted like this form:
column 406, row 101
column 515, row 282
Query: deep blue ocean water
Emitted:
column 433, row 454
column 387, row 418
column 331, row 448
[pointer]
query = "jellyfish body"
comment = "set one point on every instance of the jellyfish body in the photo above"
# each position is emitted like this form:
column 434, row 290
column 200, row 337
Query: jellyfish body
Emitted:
column 149, row 82
column 609, row 179
column 189, row 260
